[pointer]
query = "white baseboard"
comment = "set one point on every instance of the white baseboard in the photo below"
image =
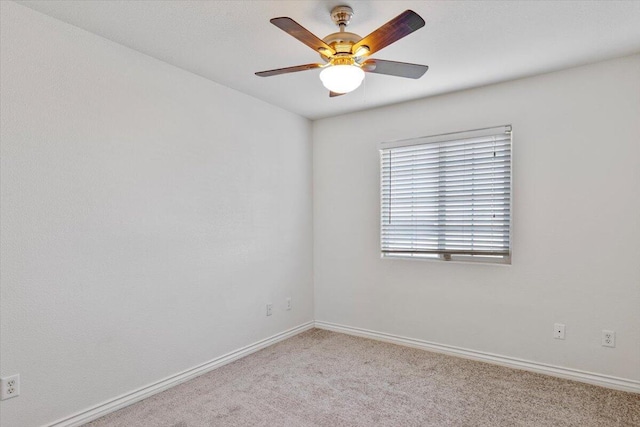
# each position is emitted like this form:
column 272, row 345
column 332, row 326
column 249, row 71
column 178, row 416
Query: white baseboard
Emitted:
column 527, row 365
column 120, row 402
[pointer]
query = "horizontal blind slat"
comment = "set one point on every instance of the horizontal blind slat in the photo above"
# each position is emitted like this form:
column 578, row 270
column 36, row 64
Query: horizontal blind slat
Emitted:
column 419, row 161
column 418, row 143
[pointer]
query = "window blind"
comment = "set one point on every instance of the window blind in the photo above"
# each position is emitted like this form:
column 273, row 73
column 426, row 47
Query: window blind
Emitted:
column 447, row 195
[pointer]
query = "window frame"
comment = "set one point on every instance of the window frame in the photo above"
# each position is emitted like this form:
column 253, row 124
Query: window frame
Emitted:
column 443, row 137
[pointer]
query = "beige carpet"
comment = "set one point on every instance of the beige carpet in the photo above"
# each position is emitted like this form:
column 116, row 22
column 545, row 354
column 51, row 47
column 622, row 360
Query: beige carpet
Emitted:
column 321, row 378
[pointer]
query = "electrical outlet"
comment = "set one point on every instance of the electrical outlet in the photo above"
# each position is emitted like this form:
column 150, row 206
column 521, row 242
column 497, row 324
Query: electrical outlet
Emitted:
column 608, row 338
column 269, row 309
column 558, row 331
column 9, row 387
column 289, row 303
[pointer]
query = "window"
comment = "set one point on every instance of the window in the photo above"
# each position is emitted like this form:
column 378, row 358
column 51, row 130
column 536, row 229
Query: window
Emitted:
column 448, row 196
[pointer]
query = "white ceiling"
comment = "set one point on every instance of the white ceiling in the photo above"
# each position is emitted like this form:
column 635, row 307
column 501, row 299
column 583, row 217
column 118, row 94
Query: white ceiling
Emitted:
column 465, row 43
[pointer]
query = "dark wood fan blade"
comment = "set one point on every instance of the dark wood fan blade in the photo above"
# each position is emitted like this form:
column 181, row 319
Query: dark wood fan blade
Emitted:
column 288, row 70
column 296, row 30
column 334, row 94
column 400, row 26
column 393, row 68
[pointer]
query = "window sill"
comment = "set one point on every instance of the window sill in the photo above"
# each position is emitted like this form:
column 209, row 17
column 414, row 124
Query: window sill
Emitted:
column 457, row 259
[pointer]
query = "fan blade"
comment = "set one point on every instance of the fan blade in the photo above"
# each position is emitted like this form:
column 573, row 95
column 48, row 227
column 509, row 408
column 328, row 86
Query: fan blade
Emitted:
column 400, row 26
column 288, row 70
column 296, row 30
column 393, row 68
column 334, row 94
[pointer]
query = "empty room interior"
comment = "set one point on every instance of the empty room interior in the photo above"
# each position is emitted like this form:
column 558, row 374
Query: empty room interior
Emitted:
column 319, row 213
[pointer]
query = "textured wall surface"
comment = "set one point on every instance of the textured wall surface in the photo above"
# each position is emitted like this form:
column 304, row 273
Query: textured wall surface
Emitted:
column 576, row 227
column 148, row 215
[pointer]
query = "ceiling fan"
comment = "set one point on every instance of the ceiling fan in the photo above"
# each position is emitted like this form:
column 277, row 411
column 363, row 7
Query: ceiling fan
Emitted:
column 345, row 54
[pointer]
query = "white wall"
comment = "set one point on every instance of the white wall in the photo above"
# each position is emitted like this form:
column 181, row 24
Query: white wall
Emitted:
column 147, row 214
column 576, row 223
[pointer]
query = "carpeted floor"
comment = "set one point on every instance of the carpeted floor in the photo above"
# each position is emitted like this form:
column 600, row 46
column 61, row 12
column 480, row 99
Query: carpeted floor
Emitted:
column 321, row 378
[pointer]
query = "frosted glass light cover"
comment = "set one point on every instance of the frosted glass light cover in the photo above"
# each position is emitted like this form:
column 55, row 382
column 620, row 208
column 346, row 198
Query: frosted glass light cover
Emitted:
column 342, row 78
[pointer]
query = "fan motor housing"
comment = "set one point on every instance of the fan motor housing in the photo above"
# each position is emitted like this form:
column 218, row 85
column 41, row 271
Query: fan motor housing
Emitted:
column 341, row 42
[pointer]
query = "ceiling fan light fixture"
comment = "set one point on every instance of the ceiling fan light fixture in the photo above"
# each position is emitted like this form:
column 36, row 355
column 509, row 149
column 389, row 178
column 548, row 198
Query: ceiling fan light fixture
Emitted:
column 344, row 53
column 342, row 78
